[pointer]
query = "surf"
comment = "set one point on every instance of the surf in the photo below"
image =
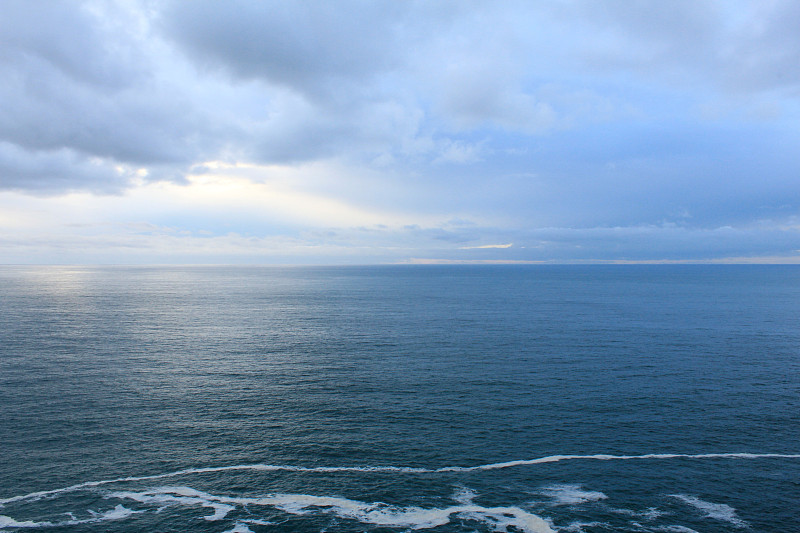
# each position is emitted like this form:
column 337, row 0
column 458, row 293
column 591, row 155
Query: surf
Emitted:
column 397, row 469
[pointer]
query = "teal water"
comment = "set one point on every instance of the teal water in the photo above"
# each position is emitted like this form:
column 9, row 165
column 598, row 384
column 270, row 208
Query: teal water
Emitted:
column 380, row 399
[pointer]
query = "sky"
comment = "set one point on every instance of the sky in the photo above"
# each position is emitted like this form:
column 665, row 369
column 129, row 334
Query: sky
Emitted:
column 356, row 132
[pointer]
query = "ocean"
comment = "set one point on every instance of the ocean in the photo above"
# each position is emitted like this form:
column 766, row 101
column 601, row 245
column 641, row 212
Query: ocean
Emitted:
column 503, row 398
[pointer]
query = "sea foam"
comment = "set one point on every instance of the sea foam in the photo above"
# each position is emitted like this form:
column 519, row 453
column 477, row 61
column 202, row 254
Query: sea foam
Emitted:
column 717, row 511
column 571, row 494
column 8, row 522
column 117, row 513
column 394, row 469
column 373, row 513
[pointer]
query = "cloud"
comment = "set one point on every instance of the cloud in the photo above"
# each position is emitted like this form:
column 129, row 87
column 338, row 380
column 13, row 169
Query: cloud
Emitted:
column 56, row 171
column 487, row 246
column 458, row 152
column 308, row 47
column 516, row 116
column 65, row 38
column 741, row 47
column 77, row 82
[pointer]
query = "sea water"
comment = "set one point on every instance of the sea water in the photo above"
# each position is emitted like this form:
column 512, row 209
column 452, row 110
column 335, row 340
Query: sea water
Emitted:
column 662, row 398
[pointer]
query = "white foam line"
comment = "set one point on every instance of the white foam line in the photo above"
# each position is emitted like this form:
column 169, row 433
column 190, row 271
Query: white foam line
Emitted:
column 188, row 471
column 395, row 469
column 606, row 457
column 117, row 513
column 369, row 513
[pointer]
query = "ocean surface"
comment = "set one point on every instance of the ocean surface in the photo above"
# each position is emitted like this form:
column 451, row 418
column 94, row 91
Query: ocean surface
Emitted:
column 661, row 398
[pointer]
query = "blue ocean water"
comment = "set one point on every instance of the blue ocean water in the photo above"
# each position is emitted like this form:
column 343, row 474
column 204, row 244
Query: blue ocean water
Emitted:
column 661, row 398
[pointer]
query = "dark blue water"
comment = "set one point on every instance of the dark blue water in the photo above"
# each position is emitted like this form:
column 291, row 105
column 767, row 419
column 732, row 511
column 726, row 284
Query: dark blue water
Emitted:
column 382, row 399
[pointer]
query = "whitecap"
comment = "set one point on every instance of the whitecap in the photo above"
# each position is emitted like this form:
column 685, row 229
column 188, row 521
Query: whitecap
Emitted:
column 377, row 513
column 571, row 494
column 239, row 527
column 8, row 522
column 649, row 514
column 257, row 521
column 577, row 527
column 166, row 496
column 676, row 529
column 464, row 495
column 717, row 511
column 117, row 513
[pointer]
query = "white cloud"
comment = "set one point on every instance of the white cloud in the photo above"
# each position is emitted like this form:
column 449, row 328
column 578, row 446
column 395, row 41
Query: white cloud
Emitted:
column 458, row 152
column 487, row 246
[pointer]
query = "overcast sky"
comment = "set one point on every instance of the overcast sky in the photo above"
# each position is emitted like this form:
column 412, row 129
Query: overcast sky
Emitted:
column 379, row 132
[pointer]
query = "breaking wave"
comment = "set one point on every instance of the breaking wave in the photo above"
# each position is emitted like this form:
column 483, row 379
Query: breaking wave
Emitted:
column 397, row 469
column 235, row 510
column 377, row 514
column 117, row 513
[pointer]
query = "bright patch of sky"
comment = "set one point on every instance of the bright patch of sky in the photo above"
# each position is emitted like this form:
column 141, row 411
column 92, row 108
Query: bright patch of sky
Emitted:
column 139, row 131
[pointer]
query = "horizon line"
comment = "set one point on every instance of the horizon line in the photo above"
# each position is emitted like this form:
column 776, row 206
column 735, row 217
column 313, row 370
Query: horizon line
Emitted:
column 795, row 260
